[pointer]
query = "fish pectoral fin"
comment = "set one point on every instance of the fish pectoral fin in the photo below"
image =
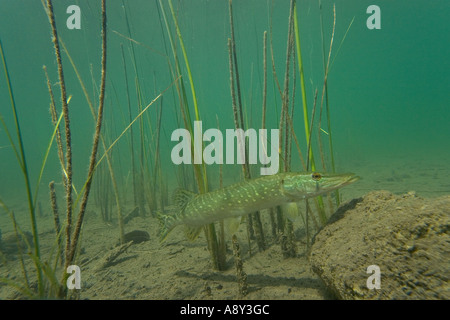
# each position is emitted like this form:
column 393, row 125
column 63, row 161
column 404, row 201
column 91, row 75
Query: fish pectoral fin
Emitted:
column 166, row 223
column 181, row 198
column 192, row 233
column 232, row 224
column 291, row 210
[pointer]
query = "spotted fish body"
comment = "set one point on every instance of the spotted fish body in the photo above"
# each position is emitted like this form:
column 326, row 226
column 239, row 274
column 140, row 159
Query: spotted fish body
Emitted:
column 197, row 210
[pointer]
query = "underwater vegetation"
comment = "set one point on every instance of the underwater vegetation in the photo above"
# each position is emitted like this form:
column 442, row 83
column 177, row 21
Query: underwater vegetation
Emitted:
column 53, row 287
column 141, row 137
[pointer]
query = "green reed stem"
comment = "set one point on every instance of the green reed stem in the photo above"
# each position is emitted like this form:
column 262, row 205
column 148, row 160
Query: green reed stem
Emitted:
column 133, row 170
column 21, row 158
column 183, row 50
column 201, row 181
column 92, row 161
column 310, row 153
column 302, row 84
column 65, row 111
column 326, row 66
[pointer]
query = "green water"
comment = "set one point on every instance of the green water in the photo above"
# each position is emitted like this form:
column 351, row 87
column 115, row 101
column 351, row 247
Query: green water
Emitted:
column 388, row 88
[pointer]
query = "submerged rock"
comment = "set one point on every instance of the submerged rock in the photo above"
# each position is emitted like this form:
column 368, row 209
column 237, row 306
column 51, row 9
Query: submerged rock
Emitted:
column 405, row 236
column 10, row 245
column 137, row 236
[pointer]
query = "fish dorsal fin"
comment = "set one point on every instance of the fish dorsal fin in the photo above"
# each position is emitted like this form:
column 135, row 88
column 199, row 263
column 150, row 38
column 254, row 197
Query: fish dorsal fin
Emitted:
column 192, row 233
column 232, row 224
column 291, row 210
column 181, row 198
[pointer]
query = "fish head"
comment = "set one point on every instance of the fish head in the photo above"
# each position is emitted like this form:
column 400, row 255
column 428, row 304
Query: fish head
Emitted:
column 299, row 186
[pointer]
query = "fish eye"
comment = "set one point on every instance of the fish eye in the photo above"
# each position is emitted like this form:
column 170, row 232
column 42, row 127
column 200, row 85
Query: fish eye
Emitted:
column 316, row 176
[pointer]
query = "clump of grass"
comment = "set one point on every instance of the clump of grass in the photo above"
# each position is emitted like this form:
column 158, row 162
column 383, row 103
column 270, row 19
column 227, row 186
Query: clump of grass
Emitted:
column 199, row 170
column 19, row 152
column 48, row 284
column 255, row 229
column 54, row 288
column 70, row 254
column 310, row 124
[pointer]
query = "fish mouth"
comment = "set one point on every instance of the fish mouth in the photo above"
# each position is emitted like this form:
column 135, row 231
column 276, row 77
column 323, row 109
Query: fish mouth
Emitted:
column 353, row 179
column 348, row 178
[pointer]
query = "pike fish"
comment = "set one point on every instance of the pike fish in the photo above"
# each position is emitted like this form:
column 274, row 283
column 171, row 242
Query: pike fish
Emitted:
column 197, row 210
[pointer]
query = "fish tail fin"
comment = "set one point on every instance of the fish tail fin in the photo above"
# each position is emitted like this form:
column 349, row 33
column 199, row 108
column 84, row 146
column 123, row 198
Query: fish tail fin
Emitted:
column 166, row 224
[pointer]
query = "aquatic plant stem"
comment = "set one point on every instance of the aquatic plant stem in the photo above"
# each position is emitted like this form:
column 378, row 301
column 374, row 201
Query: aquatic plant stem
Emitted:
column 325, row 92
column 264, row 102
column 290, row 132
column 325, row 87
column 106, row 154
column 302, row 84
column 240, row 273
column 54, row 115
column 222, row 246
column 240, row 143
column 65, row 111
column 200, row 171
column 285, row 127
column 108, row 157
column 263, row 124
column 133, row 170
column 235, row 65
column 313, row 114
column 285, row 97
column 272, row 56
column 157, row 167
column 56, row 219
column 239, row 124
column 19, row 248
column 98, row 126
column 308, row 128
column 24, row 168
column 138, row 177
column 183, row 49
column 132, row 122
column 233, row 99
